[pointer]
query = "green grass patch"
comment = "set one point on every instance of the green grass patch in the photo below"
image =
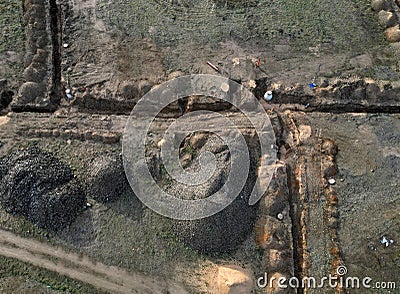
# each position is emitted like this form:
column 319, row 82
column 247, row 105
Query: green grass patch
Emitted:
column 11, row 28
column 10, row 267
column 345, row 25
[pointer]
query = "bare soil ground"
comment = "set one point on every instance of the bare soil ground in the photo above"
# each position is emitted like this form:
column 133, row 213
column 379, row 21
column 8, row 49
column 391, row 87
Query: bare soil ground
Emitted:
column 367, row 186
column 107, row 47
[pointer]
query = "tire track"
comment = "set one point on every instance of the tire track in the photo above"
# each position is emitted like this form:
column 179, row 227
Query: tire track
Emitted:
column 109, row 278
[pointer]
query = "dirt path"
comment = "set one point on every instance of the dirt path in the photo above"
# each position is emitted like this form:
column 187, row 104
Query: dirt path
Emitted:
column 81, row 268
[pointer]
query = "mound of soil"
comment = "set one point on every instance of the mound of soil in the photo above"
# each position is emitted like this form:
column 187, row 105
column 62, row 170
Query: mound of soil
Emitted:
column 222, row 232
column 226, row 230
column 37, row 185
column 106, row 180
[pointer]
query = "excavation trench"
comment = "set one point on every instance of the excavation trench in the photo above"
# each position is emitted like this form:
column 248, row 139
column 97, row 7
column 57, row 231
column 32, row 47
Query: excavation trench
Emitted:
column 343, row 108
column 56, row 37
column 313, row 205
column 295, row 216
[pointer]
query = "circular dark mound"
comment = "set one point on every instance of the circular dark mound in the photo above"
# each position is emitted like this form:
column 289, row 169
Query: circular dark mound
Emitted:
column 221, row 232
column 227, row 229
column 37, row 185
column 106, row 180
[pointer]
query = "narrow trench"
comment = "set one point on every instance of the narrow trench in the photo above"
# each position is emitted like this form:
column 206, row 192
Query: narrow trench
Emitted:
column 294, row 213
column 297, row 103
column 340, row 108
column 55, row 26
column 295, row 207
column 352, row 107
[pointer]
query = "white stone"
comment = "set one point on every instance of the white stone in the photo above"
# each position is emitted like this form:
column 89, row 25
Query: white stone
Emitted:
column 161, row 143
column 332, row 181
column 268, row 96
column 225, row 87
column 386, row 242
column 236, row 61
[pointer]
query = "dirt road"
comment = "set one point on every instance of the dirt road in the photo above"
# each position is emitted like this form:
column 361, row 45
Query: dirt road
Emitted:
column 81, row 268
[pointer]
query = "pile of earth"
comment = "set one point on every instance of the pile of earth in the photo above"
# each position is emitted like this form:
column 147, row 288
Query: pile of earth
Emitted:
column 35, row 184
column 105, row 178
column 227, row 229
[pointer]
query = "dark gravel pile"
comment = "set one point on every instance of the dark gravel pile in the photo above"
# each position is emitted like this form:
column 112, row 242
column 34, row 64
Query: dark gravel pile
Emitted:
column 37, row 185
column 226, row 230
column 105, row 179
column 221, row 232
